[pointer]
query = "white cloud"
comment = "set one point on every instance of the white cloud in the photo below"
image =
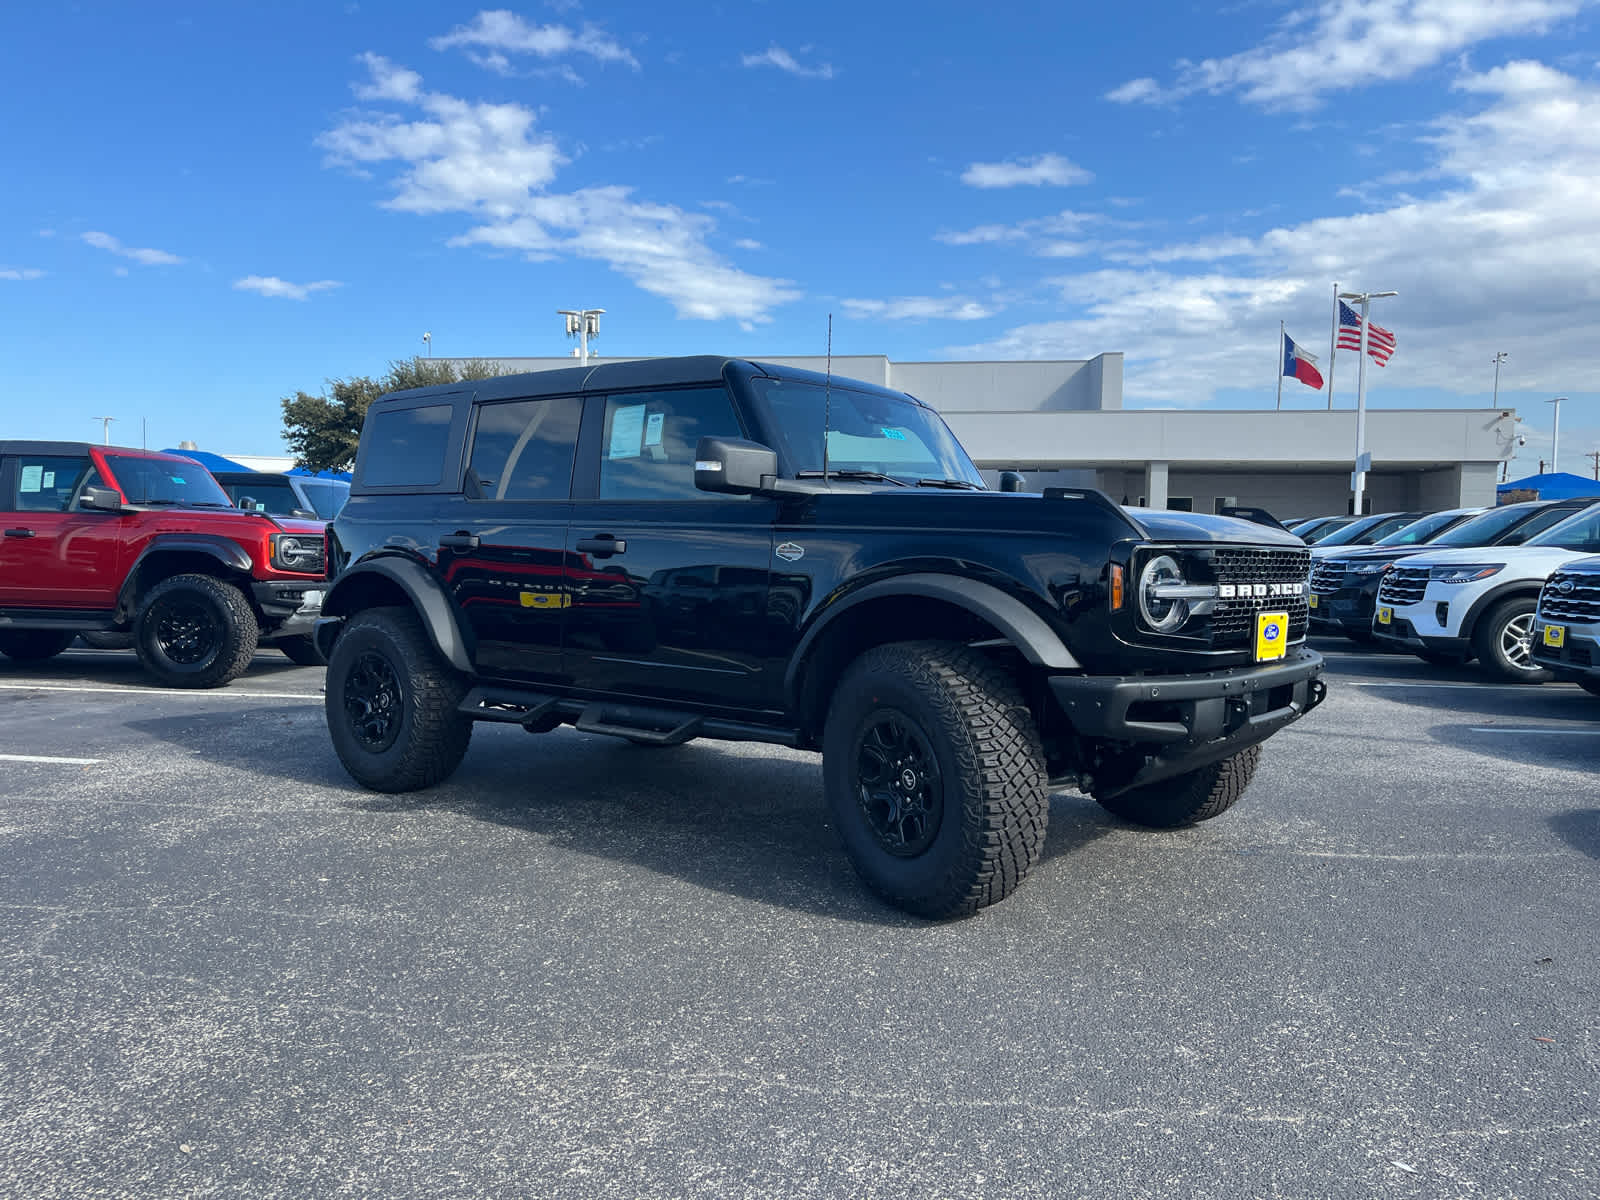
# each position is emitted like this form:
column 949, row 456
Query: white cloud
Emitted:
column 1057, row 236
column 1049, row 169
column 491, row 163
column 282, row 289
column 144, row 257
column 1337, row 45
column 492, row 35
column 777, row 56
column 748, row 244
column 21, row 273
column 921, row 308
column 1503, row 254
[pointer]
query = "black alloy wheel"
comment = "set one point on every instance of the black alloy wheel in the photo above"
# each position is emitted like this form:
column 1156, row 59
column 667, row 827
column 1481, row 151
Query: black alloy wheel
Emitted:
column 898, row 784
column 195, row 631
column 186, row 630
column 374, row 701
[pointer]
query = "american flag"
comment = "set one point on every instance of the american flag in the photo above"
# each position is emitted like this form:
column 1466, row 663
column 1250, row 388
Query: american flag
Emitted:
column 1380, row 342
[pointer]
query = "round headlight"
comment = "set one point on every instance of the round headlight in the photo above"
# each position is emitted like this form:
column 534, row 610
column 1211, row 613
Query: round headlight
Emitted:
column 1163, row 615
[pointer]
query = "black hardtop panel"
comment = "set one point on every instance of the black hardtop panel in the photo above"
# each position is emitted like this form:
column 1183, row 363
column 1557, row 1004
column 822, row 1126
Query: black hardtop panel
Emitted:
column 633, row 375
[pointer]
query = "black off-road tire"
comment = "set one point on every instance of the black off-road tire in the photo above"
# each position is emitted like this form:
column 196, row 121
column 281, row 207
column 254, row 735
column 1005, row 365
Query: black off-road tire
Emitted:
column 1490, row 636
column 391, row 703
column 301, row 650
column 1199, row 795
column 195, row 631
column 33, row 645
column 985, row 798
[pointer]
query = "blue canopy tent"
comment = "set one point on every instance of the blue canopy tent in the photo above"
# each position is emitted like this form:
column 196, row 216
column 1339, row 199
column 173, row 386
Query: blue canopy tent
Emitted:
column 210, row 461
column 1552, row 485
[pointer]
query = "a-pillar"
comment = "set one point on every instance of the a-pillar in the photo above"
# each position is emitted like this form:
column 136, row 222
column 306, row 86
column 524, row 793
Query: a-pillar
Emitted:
column 1155, row 484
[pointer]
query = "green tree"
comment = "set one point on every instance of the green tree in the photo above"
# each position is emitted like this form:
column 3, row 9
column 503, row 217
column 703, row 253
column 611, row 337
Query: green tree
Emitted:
column 322, row 431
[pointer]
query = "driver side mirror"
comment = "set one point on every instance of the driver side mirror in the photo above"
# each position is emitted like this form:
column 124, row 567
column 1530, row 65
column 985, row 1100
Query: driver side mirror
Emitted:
column 1010, row 481
column 734, row 466
column 101, row 499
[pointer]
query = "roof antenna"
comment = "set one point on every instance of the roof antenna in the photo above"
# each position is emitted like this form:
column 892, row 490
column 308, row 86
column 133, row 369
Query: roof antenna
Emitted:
column 827, row 401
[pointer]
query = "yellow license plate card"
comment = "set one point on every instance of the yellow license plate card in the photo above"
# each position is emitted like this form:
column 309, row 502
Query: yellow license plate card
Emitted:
column 1385, row 615
column 1272, row 635
column 1555, row 635
column 1311, row 600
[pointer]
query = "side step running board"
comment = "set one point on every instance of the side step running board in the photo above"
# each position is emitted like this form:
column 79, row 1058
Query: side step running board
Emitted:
column 539, row 712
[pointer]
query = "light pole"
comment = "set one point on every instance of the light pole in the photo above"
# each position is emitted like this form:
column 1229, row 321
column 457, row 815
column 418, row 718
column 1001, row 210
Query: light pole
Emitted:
column 105, row 428
column 1498, row 359
column 583, row 324
column 1555, row 437
column 1358, row 479
column 427, row 340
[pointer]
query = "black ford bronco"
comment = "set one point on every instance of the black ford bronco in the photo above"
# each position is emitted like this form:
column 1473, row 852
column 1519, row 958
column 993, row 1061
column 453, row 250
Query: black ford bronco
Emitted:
column 705, row 547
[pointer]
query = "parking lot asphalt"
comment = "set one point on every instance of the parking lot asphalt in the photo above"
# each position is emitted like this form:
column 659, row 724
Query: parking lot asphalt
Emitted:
column 583, row 968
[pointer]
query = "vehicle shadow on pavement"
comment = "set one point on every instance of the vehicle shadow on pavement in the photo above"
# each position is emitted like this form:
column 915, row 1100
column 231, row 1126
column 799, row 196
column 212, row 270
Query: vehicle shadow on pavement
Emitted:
column 1579, row 828
column 122, row 668
column 1558, row 749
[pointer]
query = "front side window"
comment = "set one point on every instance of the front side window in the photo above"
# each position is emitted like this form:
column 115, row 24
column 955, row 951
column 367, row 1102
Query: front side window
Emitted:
column 405, row 447
column 166, row 481
column 867, row 431
column 49, row 483
column 1581, row 532
column 648, row 444
column 523, row 449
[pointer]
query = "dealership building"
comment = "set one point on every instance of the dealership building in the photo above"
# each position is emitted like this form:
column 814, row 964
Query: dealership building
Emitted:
column 1061, row 423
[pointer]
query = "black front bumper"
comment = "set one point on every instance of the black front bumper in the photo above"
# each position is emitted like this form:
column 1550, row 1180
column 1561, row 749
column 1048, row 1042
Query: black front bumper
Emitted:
column 1349, row 609
column 288, row 607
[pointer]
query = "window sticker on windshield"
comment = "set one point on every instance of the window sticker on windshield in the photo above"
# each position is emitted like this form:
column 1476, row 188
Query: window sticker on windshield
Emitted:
column 627, row 430
column 32, row 479
column 652, row 429
column 896, row 434
column 49, row 479
column 177, row 479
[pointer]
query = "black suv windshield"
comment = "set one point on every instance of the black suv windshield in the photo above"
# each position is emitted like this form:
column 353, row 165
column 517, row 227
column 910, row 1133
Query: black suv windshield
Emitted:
column 1421, row 531
column 1485, row 529
column 867, row 432
column 166, row 481
column 1581, row 532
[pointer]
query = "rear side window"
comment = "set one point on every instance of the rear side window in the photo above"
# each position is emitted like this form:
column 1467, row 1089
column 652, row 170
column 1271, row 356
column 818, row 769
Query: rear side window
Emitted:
column 406, row 447
column 647, row 451
column 523, row 449
column 326, row 496
column 47, row 483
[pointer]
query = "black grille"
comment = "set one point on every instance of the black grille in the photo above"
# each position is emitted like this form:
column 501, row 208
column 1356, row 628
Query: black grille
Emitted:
column 1327, row 574
column 1570, row 597
column 1403, row 585
column 1233, row 622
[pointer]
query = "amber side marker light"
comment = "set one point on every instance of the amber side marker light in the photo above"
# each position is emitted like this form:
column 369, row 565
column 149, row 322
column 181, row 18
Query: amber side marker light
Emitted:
column 1117, row 594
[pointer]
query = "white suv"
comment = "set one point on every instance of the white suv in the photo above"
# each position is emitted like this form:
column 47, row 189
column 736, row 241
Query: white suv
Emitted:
column 1449, row 605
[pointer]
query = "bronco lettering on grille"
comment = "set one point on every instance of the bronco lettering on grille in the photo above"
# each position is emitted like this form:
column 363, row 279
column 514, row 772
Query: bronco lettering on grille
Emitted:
column 1240, row 591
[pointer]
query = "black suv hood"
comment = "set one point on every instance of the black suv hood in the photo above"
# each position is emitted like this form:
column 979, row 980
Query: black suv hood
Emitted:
column 1166, row 525
column 1368, row 553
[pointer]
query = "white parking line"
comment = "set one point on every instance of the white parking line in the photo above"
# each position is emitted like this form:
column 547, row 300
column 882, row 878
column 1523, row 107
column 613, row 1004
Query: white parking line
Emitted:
column 1533, row 729
column 44, row 758
column 129, row 691
column 1525, row 688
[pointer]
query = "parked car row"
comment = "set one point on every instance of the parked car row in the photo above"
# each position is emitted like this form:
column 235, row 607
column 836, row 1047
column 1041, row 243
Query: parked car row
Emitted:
column 1498, row 586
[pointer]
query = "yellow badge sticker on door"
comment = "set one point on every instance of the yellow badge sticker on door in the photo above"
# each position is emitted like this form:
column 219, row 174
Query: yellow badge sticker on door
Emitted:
column 1555, row 635
column 1385, row 615
column 1272, row 635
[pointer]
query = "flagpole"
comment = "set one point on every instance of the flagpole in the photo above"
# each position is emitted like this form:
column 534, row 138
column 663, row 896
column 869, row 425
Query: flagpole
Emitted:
column 1333, row 343
column 1280, row 365
column 1361, row 408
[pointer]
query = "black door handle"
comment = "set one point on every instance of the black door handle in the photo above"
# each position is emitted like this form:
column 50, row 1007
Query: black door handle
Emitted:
column 602, row 545
column 459, row 541
column 19, row 533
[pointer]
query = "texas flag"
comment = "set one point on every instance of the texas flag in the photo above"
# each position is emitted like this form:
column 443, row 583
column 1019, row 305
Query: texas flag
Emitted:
column 1297, row 364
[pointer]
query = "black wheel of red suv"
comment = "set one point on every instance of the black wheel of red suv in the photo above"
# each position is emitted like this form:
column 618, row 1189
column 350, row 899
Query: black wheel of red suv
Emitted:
column 1186, row 799
column 301, row 650
column 935, row 777
column 194, row 631
column 33, row 645
column 392, row 702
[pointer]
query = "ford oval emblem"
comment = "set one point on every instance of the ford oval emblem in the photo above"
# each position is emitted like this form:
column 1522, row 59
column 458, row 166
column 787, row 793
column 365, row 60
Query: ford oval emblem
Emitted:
column 1565, row 586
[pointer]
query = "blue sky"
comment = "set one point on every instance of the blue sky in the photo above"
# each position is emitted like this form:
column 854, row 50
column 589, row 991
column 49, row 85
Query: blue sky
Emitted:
column 211, row 206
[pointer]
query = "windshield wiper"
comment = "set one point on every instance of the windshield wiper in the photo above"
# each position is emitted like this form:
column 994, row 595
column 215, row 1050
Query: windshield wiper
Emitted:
column 965, row 485
column 835, row 473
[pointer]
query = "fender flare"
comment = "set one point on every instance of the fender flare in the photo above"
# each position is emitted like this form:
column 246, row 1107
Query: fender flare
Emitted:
column 1469, row 623
column 427, row 597
column 227, row 552
column 1022, row 627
